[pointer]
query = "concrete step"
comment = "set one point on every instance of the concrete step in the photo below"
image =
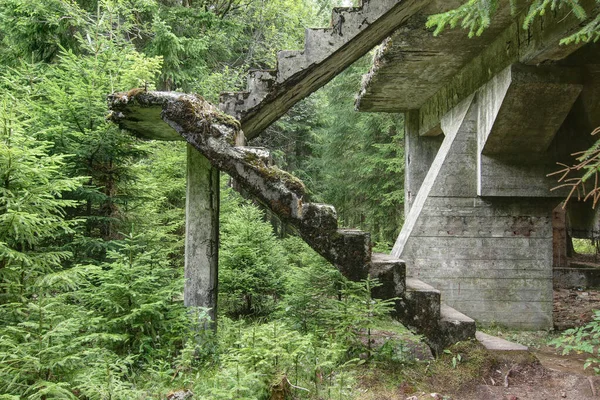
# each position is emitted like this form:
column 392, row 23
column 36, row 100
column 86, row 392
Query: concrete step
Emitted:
column 337, row 14
column 231, row 102
column 352, row 248
column 494, row 343
column 454, row 327
column 261, row 79
column 259, row 84
column 391, row 273
column 318, row 215
column 289, row 63
column 261, row 154
column 440, row 324
column 420, row 307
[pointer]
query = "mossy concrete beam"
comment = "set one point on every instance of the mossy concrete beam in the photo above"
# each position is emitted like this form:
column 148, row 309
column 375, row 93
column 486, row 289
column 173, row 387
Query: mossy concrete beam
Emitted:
column 215, row 134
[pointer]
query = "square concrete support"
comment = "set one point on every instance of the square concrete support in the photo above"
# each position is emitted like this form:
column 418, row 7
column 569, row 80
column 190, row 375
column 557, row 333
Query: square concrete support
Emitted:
column 201, row 233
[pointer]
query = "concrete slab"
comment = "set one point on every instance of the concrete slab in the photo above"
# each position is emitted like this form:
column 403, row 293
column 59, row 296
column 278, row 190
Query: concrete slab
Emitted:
column 493, row 343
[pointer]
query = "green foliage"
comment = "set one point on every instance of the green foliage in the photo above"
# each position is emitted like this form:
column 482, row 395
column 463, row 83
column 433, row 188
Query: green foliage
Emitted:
column 251, row 261
column 584, row 339
column 476, row 16
column 35, row 30
column 312, row 288
column 31, row 205
column 361, row 162
column 92, row 220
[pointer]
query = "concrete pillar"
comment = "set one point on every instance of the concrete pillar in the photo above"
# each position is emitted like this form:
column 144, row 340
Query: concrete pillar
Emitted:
column 420, row 151
column 201, row 232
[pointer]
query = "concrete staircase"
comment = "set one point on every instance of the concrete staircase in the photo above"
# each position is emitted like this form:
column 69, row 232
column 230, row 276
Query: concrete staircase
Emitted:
column 353, row 32
column 214, row 134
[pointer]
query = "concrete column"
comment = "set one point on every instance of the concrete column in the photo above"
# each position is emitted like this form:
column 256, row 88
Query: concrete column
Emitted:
column 420, row 151
column 201, row 232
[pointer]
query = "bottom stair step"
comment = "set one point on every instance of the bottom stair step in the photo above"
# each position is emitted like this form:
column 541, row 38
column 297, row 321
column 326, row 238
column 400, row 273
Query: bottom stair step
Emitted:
column 420, row 309
column 493, row 343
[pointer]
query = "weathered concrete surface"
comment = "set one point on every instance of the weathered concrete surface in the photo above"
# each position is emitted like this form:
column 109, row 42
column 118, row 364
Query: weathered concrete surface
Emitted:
column 520, row 111
column 412, row 65
column 419, row 151
column 490, row 258
column 416, row 71
column 391, row 273
column 214, row 134
column 421, row 310
column 201, row 233
column 493, row 343
column 524, row 107
column 559, row 238
column 327, row 52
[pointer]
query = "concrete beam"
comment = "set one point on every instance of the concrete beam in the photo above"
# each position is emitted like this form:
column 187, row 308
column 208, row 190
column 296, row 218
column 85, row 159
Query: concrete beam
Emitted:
column 523, row 107
column 201, row 233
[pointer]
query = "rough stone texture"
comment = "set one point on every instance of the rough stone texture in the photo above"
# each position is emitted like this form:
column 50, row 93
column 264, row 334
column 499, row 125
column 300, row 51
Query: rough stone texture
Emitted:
column 201, row 233
column 214, row 134
column 416, row 71
column 327, row 52
column 491, row 258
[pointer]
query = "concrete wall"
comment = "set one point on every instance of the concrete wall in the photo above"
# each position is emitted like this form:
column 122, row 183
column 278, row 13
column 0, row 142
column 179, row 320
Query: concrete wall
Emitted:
column 490, row 257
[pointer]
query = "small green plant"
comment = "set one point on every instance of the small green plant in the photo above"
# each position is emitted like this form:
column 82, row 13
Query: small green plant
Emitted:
column 456, row 358
column 584, row 339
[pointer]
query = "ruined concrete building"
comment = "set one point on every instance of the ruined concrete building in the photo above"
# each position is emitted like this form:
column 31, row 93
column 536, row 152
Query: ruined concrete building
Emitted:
column 486, row 120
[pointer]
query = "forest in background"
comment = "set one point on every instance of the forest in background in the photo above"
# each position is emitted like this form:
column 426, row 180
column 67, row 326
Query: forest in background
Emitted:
column 92, row 219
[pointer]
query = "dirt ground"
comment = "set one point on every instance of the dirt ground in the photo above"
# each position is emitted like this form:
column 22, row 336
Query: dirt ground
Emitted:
column 550, row 375
column 556, row 376
column 573, row 307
